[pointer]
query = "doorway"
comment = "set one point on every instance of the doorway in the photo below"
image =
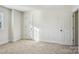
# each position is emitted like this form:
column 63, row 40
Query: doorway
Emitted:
column 75, row 28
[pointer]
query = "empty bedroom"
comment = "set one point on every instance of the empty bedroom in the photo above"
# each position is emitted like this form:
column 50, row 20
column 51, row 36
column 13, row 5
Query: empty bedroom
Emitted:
column 39, row 29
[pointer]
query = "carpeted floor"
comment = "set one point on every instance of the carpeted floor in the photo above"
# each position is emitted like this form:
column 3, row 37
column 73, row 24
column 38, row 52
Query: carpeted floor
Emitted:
column 32, row 47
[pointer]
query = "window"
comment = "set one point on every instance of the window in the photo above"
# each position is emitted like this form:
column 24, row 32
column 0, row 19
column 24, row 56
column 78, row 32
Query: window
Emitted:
column 1, row 20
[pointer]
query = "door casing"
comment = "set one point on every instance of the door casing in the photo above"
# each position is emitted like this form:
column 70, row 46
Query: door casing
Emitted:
column 75, row 28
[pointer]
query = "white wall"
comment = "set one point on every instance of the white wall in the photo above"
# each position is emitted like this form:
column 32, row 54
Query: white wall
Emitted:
column 12, row 25
column 16, row 25
column 37, row 17
column 4, row 35
column 31, row 22
column 75, row 7
column 47, row 25
column 52, row 22
column 27, row 25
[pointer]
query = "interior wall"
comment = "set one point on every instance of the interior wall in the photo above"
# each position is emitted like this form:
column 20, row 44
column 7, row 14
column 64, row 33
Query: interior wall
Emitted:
column 48, row 23
column 4, row 35
column 27, row 25
column 12, row 25
column 75, row 7
column 16, row 25
column 31, row 24
column 37, row 17
column 53, row 21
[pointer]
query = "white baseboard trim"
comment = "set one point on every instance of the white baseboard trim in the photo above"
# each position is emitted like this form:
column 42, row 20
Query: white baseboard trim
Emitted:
column 1, row 43
column 15, row 40
column 55, row 42
column 26, row 38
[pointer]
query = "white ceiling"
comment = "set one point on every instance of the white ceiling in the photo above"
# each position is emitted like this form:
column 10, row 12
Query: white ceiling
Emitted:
column 18, row 7
column 45, row 6
column 33, row 7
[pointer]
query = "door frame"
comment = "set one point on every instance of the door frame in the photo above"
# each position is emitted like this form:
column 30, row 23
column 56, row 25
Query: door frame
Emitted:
column 74, row 27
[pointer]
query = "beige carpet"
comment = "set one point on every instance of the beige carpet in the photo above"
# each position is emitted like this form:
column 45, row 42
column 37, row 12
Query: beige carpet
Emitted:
column 32, row 47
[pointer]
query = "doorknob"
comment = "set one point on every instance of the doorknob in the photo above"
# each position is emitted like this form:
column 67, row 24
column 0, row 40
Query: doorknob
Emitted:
column 61, row 30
